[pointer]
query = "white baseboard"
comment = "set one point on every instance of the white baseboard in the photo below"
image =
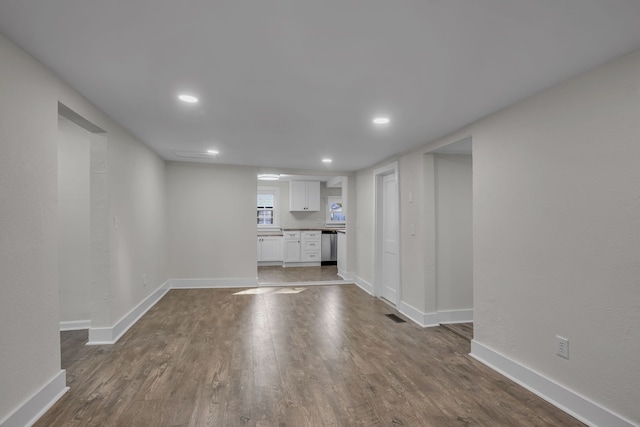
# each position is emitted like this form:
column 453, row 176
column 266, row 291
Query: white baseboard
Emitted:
column 567, row 400
column 249, row 282
column 423, row 319
column 75, row 325
column 110, row 335
column 455, row 316
column 364, row 285
column 34, row 407
column 346, row 276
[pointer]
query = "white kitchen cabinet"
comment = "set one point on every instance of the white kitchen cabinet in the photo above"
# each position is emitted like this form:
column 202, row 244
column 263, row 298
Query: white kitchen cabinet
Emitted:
column 304, row 196
column 291, row 246
column 269, row 248
column 311, row 246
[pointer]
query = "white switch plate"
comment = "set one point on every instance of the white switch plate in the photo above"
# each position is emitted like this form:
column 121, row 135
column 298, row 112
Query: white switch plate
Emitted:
column 115, row 222
column 412, row 229
column 410, row 197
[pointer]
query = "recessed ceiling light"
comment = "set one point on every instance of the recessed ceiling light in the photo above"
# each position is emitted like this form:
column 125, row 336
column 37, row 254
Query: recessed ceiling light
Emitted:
column 268, row 176
column 188, row 98
column 212, row 152
column 381, row 120
column 326, row 160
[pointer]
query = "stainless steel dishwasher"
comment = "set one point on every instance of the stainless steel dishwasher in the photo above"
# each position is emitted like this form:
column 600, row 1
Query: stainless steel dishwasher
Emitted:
column 329, row 247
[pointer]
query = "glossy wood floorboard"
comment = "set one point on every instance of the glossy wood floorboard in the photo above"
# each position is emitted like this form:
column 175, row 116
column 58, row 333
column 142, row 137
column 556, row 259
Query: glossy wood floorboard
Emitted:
column 465, row 330
column 278, row 274
column 326, row 356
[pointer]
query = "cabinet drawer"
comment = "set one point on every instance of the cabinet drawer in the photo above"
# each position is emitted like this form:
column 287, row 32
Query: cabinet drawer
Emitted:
column 311, row 256
column 291, row 235
column 311, row 246
column 311, row 235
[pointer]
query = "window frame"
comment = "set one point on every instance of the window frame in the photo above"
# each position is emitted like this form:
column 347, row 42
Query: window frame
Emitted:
column 276, row 206
column 333, row 199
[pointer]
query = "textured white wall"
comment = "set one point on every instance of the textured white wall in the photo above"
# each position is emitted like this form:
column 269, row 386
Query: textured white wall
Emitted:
column 212, row 221
column 364, row 224
column 557, row 232
column 74, row 256
column 29, row 314
column 454, row 239
column 29, row 307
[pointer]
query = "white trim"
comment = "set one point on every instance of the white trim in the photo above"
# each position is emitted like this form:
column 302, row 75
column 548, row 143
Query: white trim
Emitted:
column 346, row 276
column 423, row 319
column 455, row 316
column 269, row 263
column 39, row 403
column 378, row 174
column 364, row 285
column 110, row 335
column 558, row 395
column 75, row 325
column 249, row 282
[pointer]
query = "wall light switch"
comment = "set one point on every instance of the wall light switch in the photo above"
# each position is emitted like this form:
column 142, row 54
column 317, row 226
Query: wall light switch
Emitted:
column 412, row 229
column 410, row 197
column 115, row 222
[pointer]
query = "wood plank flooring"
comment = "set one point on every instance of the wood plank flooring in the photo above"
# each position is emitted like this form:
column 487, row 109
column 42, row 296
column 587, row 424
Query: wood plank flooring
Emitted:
column 323, row 357
column 278, row 274
column 465, row 330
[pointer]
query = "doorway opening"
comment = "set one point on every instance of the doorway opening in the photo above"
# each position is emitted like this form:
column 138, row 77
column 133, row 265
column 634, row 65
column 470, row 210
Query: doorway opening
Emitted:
column 83, row 222
column 449, row 173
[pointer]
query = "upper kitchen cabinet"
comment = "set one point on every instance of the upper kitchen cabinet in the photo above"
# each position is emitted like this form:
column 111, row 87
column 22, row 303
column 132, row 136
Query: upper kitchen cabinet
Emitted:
column 304, row 196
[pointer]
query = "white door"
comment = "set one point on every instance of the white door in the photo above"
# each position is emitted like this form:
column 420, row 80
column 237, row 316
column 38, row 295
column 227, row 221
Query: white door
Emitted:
column 390, row 262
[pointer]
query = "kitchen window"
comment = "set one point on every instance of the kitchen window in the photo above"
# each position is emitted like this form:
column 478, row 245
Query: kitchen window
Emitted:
column 335, row 210
column 268, row 209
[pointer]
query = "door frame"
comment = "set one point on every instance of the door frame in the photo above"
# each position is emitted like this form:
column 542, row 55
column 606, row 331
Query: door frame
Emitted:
column 378, row 174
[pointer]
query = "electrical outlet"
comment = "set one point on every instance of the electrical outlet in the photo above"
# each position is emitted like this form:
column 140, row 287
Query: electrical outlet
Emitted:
column 562, row 347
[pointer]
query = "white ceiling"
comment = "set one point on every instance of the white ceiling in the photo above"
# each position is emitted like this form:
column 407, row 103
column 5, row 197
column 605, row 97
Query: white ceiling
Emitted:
column 284, row 83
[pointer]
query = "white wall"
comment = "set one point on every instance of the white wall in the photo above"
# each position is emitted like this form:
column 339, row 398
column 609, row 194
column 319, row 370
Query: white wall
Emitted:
column 29, row 313
column 454, row 233
column 364, row 225
column 212, row 221
column 555, row 232
column 74, row 259
column 29, row 307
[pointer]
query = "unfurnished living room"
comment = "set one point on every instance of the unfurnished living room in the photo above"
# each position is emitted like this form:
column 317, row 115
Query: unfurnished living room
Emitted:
column 331, row 213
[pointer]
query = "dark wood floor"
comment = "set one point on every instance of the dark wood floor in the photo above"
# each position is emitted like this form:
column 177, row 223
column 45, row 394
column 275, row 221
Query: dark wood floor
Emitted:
column 323, row 357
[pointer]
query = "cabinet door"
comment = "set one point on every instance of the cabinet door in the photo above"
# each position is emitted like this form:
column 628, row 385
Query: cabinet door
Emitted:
column 297, row 196
column 271, row 248
column 313, row 196
column 291, row 250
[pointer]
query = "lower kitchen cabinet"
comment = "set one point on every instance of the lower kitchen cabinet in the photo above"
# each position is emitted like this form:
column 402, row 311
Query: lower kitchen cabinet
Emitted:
column 269, row 248
column 291, row 246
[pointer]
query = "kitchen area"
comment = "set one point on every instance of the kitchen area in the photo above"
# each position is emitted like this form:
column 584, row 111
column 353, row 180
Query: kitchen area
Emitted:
column 299, row 219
